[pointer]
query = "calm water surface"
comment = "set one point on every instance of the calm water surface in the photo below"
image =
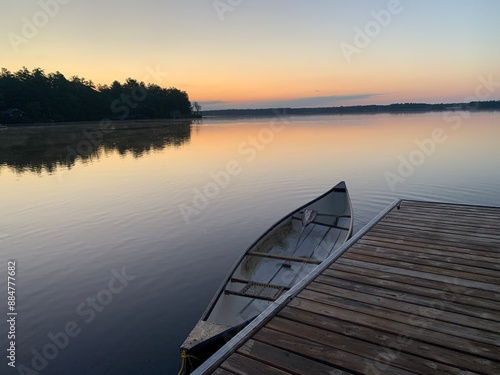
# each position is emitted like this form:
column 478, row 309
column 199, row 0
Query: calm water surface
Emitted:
column 122, row 237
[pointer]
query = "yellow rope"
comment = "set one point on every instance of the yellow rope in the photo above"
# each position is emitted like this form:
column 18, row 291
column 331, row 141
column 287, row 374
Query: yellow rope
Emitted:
column 185, row 356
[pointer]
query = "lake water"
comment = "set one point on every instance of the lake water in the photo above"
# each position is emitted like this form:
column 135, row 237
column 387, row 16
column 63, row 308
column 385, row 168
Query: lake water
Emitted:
column 123, row 232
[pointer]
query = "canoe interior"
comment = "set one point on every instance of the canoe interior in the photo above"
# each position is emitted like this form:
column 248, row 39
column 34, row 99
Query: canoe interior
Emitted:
column 278, row 260
column 271, row 277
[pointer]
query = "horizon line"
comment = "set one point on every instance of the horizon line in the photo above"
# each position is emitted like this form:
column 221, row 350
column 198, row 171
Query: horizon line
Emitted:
column 354, row 106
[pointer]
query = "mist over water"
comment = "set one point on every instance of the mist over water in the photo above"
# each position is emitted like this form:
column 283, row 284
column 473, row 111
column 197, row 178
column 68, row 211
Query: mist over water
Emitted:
column 169, row 207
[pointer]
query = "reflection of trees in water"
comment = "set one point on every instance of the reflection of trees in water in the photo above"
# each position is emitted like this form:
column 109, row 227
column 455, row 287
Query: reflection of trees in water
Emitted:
column 40, row 148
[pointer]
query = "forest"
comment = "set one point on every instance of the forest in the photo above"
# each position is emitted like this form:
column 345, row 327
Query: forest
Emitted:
column 36, row 97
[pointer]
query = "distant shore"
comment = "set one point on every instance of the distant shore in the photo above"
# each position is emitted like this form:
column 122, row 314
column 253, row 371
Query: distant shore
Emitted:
column 405, row 108
column 400, row 108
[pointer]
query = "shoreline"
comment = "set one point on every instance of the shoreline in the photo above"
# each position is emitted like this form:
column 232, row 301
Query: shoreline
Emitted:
column 124, row 124
column 392, row 109
column 397, row 108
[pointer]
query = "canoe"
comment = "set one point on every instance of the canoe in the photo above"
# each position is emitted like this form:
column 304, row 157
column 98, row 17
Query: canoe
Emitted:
column 274, row 263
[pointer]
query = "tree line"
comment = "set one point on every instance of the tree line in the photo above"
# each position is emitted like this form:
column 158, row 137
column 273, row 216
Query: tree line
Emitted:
column 39, row 97
column 398, row 108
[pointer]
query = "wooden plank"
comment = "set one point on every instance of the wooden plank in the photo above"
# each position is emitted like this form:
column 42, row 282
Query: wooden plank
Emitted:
column 450, row 208
column 393, row 339
column 325, row 353
column 436, row 322
column 416, row 296
column 474, row 267
column 363, row 348
column 431, row 242
column 453, row 223
column 221, row 371
column 452, row 252
column 429, row 288
column 468, row 224
column 431, row 245
column 416, row 306
column 464, row 239
column 491, row 264
column 435, row 211
column 459, row 216
column 242, row 365
column 495, row 281
column 284, row 257
column 286, row 360
column 447, row 215
column 401, row 225
column 454, row 280
column 440, row 228
column 483, row 243
column 406, row 326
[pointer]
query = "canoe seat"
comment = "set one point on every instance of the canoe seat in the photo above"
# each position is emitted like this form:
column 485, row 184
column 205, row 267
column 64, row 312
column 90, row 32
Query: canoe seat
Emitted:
column 257, row 290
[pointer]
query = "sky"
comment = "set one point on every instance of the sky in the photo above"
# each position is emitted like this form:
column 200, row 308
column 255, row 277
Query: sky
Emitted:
column 266, row 53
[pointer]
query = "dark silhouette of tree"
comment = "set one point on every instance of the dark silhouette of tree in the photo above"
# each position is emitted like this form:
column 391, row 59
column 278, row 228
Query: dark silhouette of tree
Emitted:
column 197, row 109
column 400, row 108
column 53, row 98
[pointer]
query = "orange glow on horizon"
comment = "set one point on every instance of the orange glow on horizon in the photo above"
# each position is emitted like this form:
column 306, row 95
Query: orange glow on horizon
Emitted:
column 253, row 81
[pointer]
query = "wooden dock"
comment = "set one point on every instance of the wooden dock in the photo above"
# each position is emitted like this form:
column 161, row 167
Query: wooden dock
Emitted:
column 417, row 291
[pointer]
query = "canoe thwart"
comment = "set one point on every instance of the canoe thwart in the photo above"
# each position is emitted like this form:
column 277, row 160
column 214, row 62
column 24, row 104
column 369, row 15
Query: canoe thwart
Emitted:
column 335, row 226
column 284, row 257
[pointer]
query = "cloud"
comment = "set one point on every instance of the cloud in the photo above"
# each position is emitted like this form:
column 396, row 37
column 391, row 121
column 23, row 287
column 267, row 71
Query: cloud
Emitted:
column 316, row 101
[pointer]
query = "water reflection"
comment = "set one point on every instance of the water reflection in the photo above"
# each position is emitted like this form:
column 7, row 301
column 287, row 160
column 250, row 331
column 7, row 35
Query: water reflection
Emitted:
column 68, row 231
column 44, row 148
